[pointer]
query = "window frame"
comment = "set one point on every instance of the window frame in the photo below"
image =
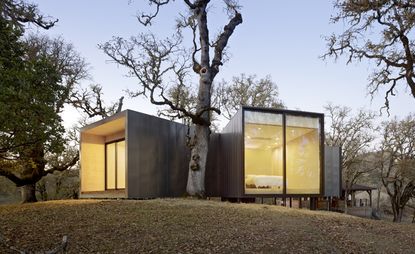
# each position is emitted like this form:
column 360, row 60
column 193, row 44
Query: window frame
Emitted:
column 115, row 162
column 284, row 114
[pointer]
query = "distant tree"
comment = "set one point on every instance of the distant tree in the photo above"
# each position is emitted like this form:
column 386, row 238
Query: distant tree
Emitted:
column 160, row 64
column 381, row 32
column 228, row 97
column 247, row 91
column 397, row 162
column 354, row 134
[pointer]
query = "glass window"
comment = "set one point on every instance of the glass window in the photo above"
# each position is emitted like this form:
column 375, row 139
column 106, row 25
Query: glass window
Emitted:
column 115, row 165
column 121, row 165
column 302, row 155
column 110, row 165
column 263, row 153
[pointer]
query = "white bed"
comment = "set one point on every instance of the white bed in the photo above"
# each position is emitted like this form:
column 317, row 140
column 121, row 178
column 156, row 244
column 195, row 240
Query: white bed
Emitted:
column 263, row 181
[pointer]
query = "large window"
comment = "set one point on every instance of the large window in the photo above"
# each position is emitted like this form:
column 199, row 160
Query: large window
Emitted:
column 269, row 165
column 115, row 165
column 303, row 155
column 263, row 153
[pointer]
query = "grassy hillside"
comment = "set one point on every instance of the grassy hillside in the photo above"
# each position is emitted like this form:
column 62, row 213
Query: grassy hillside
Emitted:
column 182, row 225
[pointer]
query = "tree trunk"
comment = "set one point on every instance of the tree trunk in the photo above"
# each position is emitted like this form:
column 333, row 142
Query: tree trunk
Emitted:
column 197, row 165
column 397, row 217
column 346, row 197
column 378, row 201
column 29, row 193
column 397, row 212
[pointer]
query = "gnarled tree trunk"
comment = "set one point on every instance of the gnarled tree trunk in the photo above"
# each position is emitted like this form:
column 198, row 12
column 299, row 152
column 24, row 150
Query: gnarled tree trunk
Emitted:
column 197, row 165
column 200, row 140
column 29, row 193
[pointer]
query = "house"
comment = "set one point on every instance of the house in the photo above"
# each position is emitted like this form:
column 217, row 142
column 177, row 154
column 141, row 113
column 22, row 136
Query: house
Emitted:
column 133, row 155
column 260, row 153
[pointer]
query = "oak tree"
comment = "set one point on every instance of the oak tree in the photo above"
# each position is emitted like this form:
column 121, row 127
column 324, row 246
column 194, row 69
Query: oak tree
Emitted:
column 162, row 63
column 247, row 90
column 397, row 162
column 40, row 75
column 381, row 32
column 354, row 134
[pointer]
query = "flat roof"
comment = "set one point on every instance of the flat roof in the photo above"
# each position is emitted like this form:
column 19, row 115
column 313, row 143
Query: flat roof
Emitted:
column 106, row 126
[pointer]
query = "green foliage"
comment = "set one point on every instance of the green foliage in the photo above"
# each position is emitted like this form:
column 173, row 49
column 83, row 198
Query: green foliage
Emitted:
column 38, row 76
column 29, row 89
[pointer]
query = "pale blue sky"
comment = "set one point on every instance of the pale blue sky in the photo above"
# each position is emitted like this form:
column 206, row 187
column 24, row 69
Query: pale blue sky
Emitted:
column 279, row 38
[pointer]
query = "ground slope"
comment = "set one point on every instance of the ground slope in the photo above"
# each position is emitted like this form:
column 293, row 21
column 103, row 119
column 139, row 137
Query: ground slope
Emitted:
column 194, row 226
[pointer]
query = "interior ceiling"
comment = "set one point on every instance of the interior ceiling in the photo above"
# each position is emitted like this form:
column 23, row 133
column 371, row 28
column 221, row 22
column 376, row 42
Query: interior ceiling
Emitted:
column 270, row 136
column 108, row 128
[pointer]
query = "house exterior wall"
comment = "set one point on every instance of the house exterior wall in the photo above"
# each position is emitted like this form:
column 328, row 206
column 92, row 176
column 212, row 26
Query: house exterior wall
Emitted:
column 232, row 157
column 214, row 172
column 157, row 157
column 332, row 172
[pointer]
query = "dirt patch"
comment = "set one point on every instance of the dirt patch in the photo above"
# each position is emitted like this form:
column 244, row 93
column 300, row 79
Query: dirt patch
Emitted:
column 194, row 226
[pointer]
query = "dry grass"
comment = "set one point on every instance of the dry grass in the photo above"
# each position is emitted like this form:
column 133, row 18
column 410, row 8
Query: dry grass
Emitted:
column 194, row 226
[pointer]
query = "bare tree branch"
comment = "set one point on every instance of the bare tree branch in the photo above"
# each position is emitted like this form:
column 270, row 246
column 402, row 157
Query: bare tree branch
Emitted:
column 392, row 51
column 145, row 19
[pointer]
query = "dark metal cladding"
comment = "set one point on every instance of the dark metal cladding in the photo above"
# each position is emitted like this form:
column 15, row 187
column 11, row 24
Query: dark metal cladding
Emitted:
column 157, row 157
column 214, row 172
column 232, row 157
column 332, row 171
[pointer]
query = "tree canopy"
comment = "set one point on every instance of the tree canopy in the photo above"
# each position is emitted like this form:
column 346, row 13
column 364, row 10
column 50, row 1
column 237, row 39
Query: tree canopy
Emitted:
column 397, row 162
column 38, row 75
column 246, row 90
column 381, row 32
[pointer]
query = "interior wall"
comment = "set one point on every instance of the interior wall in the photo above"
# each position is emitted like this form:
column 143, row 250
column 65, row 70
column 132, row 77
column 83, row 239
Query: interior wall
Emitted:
column 92, row 162
column 277, row 161
column 263, row 161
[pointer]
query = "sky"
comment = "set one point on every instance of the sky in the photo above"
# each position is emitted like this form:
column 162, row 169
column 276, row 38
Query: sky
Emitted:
column 284, row 39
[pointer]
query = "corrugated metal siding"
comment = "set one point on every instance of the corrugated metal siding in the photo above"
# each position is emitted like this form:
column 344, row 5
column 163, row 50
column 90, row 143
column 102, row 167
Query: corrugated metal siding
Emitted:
column 332, row 172
column 232, row 157
column 214, row 169
column 157, row 157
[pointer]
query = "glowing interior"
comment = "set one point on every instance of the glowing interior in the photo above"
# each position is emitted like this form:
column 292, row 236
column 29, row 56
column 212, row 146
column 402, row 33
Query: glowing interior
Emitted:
column 303, row 155
column 264, row 154
column 102, row 159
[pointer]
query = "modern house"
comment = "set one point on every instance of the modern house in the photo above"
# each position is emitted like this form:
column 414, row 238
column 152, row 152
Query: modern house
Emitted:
column 260, row 153
column 133, row 155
